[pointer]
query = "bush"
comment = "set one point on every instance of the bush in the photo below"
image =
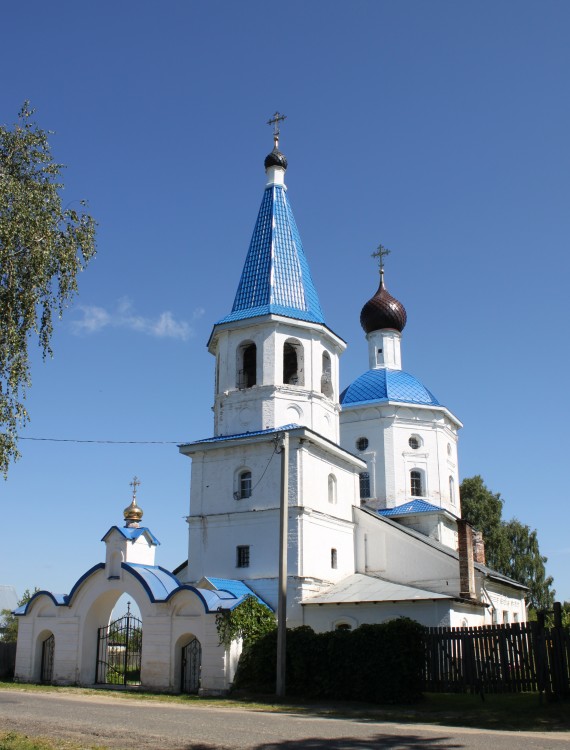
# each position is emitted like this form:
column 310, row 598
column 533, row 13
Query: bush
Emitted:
column 374, row 663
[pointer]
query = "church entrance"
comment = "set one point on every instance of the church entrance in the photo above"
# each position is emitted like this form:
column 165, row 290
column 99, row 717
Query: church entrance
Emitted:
column 48, row 648
column 119, row 648
column 191, row 665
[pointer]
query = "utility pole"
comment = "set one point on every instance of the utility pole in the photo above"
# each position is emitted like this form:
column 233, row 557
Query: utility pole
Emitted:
column 282, row 594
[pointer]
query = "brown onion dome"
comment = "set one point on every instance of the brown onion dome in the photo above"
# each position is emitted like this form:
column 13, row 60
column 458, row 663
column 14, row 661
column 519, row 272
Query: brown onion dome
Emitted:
column 275, row 159
column 133, row 514
column 383, row 311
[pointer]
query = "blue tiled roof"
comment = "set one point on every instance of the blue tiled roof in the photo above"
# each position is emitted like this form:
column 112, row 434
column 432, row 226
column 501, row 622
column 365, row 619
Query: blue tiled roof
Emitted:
column 221, row 438
column 276, row 276
column 158, row 582
column 237, row 588
column 387, row 385
column 132, row 533
column 414, row 506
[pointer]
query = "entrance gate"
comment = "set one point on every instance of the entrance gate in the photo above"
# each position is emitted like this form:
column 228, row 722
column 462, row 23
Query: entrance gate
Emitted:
column 119, row 647
column 191, row 664
column 48, row 648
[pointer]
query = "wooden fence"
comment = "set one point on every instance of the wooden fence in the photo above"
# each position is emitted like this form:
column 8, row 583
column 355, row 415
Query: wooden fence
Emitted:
column 7, row 660
column 512, row 658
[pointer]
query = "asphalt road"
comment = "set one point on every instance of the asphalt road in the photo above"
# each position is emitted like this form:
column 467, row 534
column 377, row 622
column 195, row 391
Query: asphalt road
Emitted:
column 123, row 724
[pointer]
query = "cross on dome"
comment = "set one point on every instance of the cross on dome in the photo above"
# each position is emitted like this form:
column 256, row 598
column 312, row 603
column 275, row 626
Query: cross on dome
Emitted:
column 275, row 120
column 132, row 513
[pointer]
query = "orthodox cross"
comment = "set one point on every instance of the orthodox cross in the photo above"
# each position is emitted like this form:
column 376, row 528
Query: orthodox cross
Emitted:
column 381, row 252
column 275, row 120
column 134, row 484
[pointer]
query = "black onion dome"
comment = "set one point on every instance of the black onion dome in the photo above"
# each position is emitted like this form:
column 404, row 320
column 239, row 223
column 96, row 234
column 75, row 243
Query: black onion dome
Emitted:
column 383, row 311
column 275, row 159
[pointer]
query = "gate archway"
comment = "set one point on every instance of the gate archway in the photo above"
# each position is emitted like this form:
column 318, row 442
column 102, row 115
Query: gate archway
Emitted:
column 191, row 665
column 119, row 649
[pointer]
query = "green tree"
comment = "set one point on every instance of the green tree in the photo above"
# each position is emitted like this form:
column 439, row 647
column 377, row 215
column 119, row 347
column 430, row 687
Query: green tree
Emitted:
column 43, row 247
column 248, row 621
column 10, row 624
column 511, row 548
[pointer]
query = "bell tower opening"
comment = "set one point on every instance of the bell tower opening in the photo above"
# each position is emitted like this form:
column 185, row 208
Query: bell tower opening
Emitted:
column 247, row 365
column 293, row 363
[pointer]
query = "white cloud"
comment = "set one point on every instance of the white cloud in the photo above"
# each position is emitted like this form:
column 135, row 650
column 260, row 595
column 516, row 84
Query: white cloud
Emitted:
column 123, row 316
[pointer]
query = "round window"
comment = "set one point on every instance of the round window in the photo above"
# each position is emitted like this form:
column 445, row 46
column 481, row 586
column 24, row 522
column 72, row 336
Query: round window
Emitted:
column 362, row 444
column 414, row 442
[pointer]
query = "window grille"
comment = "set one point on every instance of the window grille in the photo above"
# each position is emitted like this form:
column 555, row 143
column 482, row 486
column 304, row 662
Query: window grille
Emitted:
column 364, row 485
column 242, row 557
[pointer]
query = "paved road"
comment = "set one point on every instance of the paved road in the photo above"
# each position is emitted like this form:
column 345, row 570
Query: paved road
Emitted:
column 124, row 724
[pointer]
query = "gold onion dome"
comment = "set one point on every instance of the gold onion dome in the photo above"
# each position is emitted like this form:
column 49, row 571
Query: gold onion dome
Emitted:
column 133, row 513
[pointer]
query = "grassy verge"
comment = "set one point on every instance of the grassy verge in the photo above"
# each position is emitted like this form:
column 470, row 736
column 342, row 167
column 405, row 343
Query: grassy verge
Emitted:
column 17, row 741
column 516, row 712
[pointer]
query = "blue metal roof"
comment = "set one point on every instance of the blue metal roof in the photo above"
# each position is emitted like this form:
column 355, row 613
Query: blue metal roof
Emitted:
column 158, row 582
column 221, row 438
column 387, row 385
column 237, row 588
column 132, row 533
column 414, row 506
column 276, row 276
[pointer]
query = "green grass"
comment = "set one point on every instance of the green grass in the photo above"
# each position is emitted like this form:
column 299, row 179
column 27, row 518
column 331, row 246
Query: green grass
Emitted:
column 514, row 712
column 17, row 741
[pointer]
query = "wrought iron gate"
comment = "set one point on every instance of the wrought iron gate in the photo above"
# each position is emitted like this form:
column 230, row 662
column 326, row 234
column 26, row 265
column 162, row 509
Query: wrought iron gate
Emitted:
column 48, row 648
column 119, row 647
column 191, row 665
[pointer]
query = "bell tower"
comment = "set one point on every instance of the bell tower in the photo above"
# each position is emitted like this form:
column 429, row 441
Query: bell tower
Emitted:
column 276, row 360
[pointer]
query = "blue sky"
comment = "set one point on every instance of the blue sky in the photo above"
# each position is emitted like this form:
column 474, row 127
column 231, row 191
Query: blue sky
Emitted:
column 437, row 128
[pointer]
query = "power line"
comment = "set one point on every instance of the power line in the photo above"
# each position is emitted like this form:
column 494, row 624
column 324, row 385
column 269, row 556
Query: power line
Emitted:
column 105, row 442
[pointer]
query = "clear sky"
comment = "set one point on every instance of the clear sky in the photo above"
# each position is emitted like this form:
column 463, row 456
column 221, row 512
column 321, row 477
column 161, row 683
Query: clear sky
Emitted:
column 440, row 129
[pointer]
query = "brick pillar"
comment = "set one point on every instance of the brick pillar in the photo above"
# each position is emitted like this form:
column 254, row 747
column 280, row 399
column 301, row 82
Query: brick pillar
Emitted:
column 466, row 567
column 478, row 547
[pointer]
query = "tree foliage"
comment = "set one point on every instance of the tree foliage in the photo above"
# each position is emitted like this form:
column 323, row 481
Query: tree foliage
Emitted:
column 248, row 621
column 43, row 247
column 511, row 547
column 10, row 624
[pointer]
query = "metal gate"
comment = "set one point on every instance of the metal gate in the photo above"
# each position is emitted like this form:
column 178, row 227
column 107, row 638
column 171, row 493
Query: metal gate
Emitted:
column 48, row 648
column 119, row 647
column 191, row 665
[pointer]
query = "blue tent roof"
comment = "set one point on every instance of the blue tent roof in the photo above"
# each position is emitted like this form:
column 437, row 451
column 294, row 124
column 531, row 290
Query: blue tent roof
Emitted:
column 387, row 385
column 276, row 276
column 414, row 506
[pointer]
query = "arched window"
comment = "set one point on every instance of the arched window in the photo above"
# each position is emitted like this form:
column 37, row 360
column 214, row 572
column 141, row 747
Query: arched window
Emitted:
column 416, row 483
column 343, row 626
column 334, row 558
column 326, row 377
column 247, row 365
column 244, row 489
column 293, row 363
column 364, row 485
column 452, row 490
column 332, row 488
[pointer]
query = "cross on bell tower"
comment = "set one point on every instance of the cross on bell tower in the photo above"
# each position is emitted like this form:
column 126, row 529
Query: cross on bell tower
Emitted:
column 274, row 121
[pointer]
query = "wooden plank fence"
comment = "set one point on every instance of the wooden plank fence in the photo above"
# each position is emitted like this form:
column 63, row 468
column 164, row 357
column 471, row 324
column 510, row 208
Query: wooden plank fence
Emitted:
column 515, row 658
column 7, row 660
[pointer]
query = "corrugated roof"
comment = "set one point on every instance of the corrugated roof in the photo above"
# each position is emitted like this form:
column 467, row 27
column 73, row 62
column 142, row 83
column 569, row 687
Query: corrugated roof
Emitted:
column 387, row 385
column 414, row 506
column 276, row 277
column 360, row 588
column 221, row 438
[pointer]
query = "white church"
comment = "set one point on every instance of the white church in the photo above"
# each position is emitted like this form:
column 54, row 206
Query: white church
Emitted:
column 374, row 514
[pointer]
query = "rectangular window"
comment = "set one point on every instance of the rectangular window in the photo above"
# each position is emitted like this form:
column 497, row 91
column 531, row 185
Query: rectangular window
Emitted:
column 334, row 558
column 242, row 557
column 364, row 485
column 505, row 617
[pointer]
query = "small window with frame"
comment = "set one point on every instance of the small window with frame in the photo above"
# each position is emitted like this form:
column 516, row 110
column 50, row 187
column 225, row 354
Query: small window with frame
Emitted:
column 242, row 556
